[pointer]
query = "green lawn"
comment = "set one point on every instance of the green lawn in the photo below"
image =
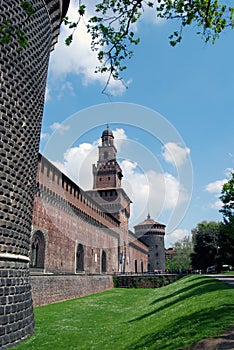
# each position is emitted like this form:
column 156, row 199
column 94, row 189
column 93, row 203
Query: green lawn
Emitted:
column 171, row 317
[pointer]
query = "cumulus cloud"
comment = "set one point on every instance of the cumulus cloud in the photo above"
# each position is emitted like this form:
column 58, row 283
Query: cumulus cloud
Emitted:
column 150, row 190
column 175, row 154
column 216, row 205
column 215, row 188
column 77, row 163
column 175, row 236
column 78, row 58
column 59, row 127
column 150, row 15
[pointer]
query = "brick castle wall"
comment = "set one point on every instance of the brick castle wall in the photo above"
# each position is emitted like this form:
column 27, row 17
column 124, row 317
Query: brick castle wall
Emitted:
column 51, row 289
column 23, row 79
column 67, row 217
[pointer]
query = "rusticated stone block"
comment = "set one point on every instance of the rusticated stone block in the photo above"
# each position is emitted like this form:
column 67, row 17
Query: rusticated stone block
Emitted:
column 23, row 79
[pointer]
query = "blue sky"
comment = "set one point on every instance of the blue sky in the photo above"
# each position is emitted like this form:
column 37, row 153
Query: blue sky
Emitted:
column 173, row 125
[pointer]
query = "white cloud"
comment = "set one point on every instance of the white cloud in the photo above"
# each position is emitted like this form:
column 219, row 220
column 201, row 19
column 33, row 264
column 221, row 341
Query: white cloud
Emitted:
column 150, row 15
column 120, row 136
column 78, row 160
column 59, row 127
column 216, row 186
column 216, row 205
column 150, row 191
column 78, row 58
column 175, row 154
column 44, row 136
column 66, row 87
column 175, row 236
column 47, row 94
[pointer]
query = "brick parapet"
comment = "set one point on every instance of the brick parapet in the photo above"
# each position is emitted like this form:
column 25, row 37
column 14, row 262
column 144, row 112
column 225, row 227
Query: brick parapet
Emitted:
column 55, row 185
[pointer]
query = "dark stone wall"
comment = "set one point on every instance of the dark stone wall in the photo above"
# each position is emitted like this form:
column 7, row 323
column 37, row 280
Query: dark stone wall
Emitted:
column 23, row 79
column 51, row 289
column 144, row 281
column 16, row 315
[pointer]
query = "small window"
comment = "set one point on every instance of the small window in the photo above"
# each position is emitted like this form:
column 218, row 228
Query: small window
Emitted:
column 100, row 179
column 108, row 177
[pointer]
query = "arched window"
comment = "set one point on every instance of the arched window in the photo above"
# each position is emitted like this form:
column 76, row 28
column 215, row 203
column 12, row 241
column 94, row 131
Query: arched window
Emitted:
column 80, row 258
column 103, row 261
column 105, row 155
column 135, row 266
column 142, row 267
column 38, row 250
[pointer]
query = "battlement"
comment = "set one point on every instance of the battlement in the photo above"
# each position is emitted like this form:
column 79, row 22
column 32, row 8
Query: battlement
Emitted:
column 54, row 185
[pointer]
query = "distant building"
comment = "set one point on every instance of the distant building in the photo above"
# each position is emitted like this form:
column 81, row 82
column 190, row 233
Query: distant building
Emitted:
column 169, row 253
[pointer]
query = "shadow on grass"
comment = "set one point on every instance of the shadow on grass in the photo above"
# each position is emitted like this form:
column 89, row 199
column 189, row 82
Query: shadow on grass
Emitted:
column 186, row 327
column 201, row 282
column 202, row 287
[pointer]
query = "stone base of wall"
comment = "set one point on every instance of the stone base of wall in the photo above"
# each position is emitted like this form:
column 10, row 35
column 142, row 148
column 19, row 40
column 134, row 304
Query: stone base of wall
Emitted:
column 144, row 281
column 16, row 313
column 48, row 289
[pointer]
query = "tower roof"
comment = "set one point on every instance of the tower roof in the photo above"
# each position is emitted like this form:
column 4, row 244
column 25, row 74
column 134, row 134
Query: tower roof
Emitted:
column 107, row 132
column 148, row 221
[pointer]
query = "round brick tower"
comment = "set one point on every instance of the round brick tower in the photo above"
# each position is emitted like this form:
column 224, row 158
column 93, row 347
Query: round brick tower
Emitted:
column 23, row 79
column 152, row 233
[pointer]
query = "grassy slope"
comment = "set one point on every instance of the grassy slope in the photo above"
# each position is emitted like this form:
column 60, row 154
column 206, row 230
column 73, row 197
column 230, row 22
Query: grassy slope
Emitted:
column 171, row 317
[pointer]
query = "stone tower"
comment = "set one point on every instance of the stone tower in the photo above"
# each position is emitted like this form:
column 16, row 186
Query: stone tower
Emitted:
column 107, row 173
column 107, row 191
column 152, row 233
column 23, row 79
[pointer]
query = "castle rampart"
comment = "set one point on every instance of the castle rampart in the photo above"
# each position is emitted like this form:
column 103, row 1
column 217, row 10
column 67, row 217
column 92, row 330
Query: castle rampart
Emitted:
column 70, row 228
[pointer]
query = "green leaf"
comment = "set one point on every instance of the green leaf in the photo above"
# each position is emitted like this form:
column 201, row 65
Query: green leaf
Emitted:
column 68, row 40
column 81, row 10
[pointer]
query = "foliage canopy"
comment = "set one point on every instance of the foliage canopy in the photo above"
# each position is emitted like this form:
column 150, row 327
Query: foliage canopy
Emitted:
column 112, row 26
column 211, row 246
column 227, row 197
column 181, row 259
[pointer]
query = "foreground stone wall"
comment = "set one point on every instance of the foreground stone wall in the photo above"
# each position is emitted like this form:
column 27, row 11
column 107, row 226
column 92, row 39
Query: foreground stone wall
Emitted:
column 23, row 79
column 51, row 289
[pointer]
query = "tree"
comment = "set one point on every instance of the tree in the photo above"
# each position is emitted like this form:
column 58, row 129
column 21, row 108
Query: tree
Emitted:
column 206, row 240
column 227, row 197
column 112, row 26
column 181, row 258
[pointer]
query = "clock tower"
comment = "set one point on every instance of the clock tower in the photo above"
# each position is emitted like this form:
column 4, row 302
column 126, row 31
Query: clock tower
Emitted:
column 107, row 173
column 108, row 193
